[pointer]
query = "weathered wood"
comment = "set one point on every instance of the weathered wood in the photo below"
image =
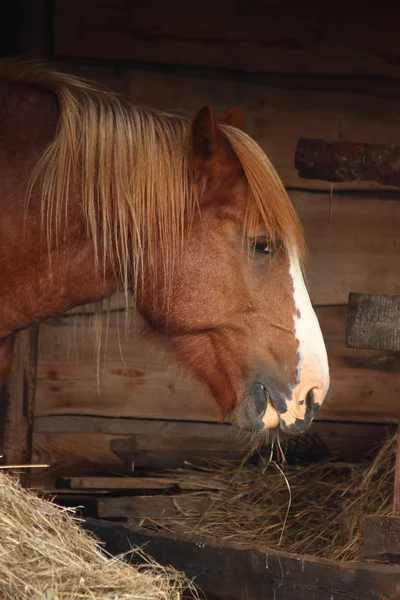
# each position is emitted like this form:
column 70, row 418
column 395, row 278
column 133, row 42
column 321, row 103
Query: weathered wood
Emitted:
column 17, row 399
column 139, row 509
column 153, row 443
column 84, row 448
column 141, row 483
column 396, row 490
column 338, row 227
column 278, row 112
column 381, row 538
column 307, row 38
column 373, row 322
column 348, row 161
column 150, row 383
column 76, row 446
column 184, row 434
column 236, row 572
column 117, row 483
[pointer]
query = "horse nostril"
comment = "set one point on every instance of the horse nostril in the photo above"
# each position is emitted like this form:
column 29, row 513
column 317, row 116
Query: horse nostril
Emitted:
column 310, row 400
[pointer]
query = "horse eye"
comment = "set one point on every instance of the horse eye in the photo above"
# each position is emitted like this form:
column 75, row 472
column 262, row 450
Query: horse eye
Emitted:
column 263, row 246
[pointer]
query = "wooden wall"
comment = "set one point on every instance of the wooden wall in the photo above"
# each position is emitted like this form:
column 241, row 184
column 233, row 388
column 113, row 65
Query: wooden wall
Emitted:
column 306, row 70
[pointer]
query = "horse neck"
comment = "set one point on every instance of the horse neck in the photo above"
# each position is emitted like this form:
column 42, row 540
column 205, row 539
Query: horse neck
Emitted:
column 39, row 281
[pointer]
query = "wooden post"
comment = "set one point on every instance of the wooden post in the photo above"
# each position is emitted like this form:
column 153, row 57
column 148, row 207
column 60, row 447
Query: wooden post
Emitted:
column 17, row 403
column 373, row 322
column 396, row 492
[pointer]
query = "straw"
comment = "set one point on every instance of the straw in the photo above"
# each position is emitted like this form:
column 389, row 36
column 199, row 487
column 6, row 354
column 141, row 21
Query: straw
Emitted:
column 319, row 515
column 45, row 555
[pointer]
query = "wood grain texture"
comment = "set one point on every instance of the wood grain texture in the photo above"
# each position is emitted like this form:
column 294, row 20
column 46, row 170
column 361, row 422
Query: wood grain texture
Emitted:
column 381, row 538
column 347, row 161
column 373, row 322
column 232, row 572
column 278, row 113
column 140, row 508
column 83, row 446
column 396, row 490
column 309, row 38
column 93, row 446
column 141, row 483
column 353, row 243
column 150, row 384
column 18, row 403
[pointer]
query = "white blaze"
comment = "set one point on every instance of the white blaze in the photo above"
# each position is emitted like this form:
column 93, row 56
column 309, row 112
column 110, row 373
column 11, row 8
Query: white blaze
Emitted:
column 312, row 369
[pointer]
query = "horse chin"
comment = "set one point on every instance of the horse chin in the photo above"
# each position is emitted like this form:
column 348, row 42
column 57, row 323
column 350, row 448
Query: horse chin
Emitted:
column 256, row 413
column 271, row 419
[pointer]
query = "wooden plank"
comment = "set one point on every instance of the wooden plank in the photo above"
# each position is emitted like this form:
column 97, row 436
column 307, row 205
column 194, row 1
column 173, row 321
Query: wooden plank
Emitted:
column 167, row 444
column 67, row 378
column 278, row 113
column 347, row 161
column 84, row 448
column 185, row 434
column 150, row 383
column 141, row 483
column 153, row 443
column 139, row 509
column 266, row 37
column 244, row 573
column 73, row 455
column 373, row 322
column 354, row 240
column 381, row 534
column 117, row 483
column 76, row 446
column 396, row 491
column 381, row 538
column 18, row 398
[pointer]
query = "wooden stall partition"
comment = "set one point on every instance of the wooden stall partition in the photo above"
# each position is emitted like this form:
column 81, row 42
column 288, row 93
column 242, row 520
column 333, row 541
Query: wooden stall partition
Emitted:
column 287, row 69
column 310, row 38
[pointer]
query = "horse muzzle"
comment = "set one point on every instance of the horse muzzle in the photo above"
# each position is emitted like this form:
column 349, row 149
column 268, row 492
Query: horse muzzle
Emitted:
column 266, row 407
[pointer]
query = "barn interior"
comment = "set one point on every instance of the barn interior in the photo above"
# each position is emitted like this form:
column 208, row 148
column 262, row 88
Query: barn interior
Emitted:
column 116, row 443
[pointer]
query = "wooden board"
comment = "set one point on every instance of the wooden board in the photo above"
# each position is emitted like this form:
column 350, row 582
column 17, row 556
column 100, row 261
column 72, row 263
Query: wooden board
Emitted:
column 311, row 37
column 373, row 322
column 381, row 538
column 278, row 113
column 141, row 508
column 18, row 403
column 354, row 245
column 232, row 572
column 190, row 483
column 150, row 385
column 82, row 446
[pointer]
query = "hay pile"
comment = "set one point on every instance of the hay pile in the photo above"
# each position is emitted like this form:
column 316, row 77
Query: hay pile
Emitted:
column 313, row 509
column 44, row 555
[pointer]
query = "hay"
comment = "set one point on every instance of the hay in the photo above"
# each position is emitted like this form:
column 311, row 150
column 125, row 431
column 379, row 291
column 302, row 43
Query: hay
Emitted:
column 45, row 555
column 319, row 515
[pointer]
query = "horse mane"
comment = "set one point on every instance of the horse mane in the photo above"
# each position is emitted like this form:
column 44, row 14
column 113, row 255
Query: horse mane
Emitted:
column 132, row 170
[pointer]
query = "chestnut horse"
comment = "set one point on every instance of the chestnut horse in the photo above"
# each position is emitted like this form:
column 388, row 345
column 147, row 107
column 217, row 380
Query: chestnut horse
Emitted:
column 99, row 196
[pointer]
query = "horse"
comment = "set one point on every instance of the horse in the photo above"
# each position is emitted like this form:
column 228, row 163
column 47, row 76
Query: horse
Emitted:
column 187, row 215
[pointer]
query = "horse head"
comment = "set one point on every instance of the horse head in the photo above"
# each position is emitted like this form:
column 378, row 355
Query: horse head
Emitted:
column 239, row 315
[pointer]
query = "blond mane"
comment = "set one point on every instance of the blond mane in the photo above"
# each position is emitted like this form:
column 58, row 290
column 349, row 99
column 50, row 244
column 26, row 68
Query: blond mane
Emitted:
column 132, row 170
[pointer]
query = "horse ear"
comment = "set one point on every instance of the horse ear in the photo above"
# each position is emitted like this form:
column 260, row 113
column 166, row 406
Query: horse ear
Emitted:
column 212, row 153
column 234, row 116
column 206, row 137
